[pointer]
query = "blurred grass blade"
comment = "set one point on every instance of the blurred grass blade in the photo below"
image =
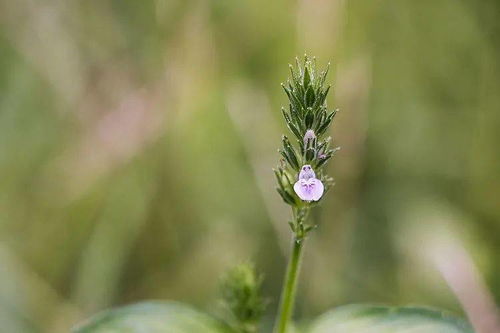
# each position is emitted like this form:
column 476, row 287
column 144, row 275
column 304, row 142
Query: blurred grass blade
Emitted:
column 383, row 319
column 153, row 317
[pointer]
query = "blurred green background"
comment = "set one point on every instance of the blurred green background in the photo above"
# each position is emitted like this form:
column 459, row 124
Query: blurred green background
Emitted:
column 137, row 140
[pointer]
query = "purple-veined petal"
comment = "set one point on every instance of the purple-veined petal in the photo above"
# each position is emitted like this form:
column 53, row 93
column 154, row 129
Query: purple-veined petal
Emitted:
column 309, row 189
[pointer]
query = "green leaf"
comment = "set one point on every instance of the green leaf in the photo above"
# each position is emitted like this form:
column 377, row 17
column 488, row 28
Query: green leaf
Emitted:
column 289, row 153
column 287, row 197
column 310, row 97
column 323, row 76
column 322, row 128
column 322, row 97
column 384, row 319
column 307, row 76
column 152, row 317
column 309, row 119
column 310, row 154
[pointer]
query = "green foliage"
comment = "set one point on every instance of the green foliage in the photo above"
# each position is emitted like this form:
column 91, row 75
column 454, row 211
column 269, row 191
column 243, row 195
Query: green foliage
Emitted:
column 152, row 317
column 384, row 319
column 171, row 317
column 241, row 297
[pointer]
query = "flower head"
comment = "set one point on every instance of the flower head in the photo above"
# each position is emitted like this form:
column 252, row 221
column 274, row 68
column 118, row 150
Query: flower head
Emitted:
column 308, row 188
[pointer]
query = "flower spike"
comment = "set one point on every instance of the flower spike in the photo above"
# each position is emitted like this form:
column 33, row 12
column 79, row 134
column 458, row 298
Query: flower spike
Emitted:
column 308, row 119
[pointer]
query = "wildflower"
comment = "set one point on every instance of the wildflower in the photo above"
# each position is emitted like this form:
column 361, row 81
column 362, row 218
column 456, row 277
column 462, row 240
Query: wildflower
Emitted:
column 308, row 187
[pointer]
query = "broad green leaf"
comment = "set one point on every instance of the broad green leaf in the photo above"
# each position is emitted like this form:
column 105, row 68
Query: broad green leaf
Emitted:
column 152, row 317
column 383, row 319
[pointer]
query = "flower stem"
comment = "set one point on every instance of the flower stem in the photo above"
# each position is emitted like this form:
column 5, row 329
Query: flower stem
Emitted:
column 288, row 293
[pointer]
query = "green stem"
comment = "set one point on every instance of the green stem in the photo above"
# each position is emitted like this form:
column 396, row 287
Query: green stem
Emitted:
column 289, row 288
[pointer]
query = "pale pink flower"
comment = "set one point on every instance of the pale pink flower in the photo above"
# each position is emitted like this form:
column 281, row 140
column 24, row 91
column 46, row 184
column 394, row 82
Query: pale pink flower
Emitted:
column 308, row 188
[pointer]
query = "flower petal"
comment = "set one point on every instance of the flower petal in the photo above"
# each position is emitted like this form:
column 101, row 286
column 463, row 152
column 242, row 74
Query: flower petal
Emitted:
column 309, row 190
column 306, row 172
column 318, row 189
